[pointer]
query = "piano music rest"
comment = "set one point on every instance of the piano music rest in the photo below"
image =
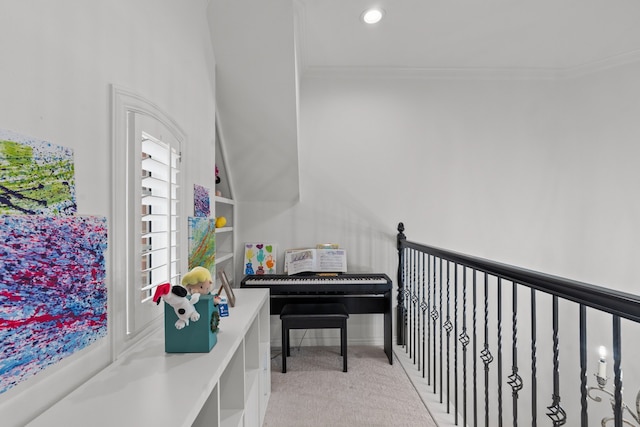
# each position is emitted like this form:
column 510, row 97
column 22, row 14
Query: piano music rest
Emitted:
column 314, row 316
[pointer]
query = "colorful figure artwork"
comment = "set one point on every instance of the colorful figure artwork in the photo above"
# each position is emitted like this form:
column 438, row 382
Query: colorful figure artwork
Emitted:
column 201, row 201
column 53, row 295
column 260, row 258
column 36, row 177
column 202, row 243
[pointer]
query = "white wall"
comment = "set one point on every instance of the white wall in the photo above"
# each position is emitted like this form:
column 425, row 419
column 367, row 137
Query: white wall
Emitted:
column 255, row 72
column 539, row 174
column 430, row 153
column 59, row 60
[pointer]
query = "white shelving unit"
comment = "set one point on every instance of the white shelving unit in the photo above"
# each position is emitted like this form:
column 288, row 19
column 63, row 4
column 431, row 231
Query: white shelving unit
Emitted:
column 229, row 386
column 225, row 237
column 224, row 206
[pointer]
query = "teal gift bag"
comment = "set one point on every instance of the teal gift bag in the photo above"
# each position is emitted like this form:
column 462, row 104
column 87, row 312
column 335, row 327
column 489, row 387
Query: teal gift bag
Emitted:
column 200, row 336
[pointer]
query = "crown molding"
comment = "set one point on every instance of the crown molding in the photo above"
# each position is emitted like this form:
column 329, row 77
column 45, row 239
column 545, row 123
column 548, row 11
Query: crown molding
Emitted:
column 471, row 73
column 597, row 66
column 432, row 73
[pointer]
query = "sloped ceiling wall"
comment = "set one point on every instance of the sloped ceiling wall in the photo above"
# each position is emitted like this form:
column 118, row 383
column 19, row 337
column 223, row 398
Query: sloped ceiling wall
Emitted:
column 253, row 42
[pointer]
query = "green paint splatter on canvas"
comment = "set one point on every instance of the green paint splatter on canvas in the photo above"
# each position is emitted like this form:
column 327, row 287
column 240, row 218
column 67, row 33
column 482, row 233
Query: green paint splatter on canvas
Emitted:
column 36, row 177
column 202, row 243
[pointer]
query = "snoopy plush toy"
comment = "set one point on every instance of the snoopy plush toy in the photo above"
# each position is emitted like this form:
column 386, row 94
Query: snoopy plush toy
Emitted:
column 176, row 297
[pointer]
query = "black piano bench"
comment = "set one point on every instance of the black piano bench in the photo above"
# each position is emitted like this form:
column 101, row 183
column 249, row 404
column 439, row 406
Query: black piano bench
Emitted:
column 314, row 316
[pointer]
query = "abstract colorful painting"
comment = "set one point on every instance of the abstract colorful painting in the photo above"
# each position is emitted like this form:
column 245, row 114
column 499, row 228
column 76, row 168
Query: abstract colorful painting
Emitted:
column 259, row 258
column 201, row 201
column 36, row 177
column 53, row 295
column 202, row 243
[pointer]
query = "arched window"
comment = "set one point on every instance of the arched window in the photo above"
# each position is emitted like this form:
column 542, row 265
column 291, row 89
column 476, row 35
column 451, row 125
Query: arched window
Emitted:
column 146, row 213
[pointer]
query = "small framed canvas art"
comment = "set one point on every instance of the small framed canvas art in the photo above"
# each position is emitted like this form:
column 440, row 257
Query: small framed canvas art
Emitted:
column 228, row 290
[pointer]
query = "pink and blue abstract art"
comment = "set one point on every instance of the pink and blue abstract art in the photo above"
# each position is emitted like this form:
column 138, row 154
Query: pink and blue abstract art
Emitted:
column 53, row 295
column 201, row 201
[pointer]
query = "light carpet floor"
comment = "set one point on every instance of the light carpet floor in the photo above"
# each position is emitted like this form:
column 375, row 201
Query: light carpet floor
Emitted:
column 316, row 393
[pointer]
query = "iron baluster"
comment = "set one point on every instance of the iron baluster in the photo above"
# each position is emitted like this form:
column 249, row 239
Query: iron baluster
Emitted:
column 534, row 367
column 414, row 310
column 400, row 314
column 464, row 340
column 556, row 413
column 408, row 301
column 434, row 317
column 584, row 418
column 485, row 354
column 455, row 345
column 440, row 327
column 515, row 381
column 407, row 298
column 423, row 309
column 429, row 320
column 475, row 351
column 420, row 288
column 499, row 352
column 617, row 380
column 448, row 327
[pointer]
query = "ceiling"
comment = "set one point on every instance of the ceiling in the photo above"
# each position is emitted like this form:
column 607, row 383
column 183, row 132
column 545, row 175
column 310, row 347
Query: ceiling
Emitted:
column 264, row 48
column 466, row 34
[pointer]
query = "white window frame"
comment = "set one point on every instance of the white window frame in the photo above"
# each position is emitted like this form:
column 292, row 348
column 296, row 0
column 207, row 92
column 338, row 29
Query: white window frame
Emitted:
column 133, row 313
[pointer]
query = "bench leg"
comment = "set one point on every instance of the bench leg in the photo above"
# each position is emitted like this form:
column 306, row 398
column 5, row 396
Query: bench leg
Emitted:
column 285, row 346
column 343, row 345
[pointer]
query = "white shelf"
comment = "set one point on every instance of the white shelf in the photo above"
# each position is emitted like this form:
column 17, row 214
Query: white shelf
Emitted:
column 152, row 388
column 224, row 200
column 253, row 376
column 231, row 418
column 222, row 257
column 224, row 230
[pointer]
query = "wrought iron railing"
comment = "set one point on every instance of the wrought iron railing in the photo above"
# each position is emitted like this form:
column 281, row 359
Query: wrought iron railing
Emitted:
column 458, row 314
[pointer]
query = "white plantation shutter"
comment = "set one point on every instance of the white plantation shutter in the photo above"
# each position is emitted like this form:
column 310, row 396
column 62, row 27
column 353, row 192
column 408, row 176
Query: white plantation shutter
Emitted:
column 160, row 163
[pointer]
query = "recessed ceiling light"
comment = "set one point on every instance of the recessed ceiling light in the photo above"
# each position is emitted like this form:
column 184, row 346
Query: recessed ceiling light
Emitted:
column 372, row 16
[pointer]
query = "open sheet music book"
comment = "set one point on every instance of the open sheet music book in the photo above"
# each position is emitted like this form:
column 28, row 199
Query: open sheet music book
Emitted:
column 316, row 261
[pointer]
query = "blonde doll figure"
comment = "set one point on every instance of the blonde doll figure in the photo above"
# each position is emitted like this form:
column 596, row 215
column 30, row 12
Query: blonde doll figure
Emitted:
column 198, row 281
